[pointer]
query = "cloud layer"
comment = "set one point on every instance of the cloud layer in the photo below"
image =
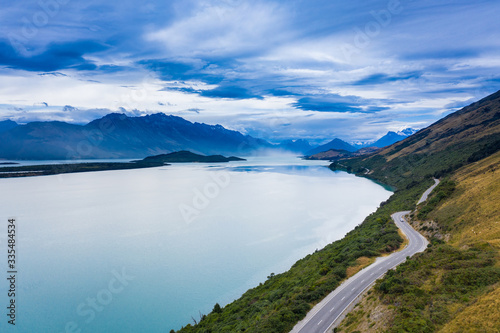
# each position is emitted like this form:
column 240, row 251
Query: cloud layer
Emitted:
column 311, row 69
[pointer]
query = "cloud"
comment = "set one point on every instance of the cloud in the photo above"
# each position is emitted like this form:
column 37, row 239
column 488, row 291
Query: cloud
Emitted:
column 57, row 56
column 170, row 70
column 329, row 103
column 229, row 91
column 272, row 67
column 69, row 108
column 221, row 30
column 381, row 78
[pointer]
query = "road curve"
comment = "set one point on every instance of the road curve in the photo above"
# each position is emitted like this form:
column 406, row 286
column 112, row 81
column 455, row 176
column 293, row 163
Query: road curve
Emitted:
column 429, row 190
column 325, row 314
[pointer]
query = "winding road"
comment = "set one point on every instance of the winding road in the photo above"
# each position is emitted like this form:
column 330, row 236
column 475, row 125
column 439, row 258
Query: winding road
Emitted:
column 429, row 190
column 324, row 316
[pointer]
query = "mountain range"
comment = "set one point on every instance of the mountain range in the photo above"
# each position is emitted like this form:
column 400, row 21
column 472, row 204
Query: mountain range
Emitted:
column 392, row 137
column 119, row 136
column 339, row 149
column 460, row 138
column 7, row 125
column 335, row 144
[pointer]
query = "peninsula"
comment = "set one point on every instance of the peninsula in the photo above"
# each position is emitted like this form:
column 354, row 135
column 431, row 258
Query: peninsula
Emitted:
column 148, row 162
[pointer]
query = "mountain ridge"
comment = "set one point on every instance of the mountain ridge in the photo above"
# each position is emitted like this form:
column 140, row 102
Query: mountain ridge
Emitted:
column 119, row 136
column 392, row 137
column 336, row 144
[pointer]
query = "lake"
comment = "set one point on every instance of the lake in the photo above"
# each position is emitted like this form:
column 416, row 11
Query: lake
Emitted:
column 145, row 250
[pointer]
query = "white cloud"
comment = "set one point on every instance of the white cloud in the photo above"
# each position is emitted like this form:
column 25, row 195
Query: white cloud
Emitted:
column 224, row 29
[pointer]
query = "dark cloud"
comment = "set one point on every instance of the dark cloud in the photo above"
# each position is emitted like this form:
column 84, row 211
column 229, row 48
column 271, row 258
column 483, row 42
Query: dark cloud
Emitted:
column 381, row 78
column 329, row 103
column 56, row 74
column 69, row 108
column 57, row 56
column 172, row 70
column 229, row 91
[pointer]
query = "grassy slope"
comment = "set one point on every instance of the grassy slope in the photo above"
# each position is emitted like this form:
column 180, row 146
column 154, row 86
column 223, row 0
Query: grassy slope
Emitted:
column 443, row 288
column 452, row 287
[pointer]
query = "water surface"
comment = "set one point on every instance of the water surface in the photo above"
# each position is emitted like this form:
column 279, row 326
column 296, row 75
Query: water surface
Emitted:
column 144, row 250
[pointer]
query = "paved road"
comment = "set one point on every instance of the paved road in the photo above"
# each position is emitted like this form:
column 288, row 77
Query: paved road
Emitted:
column 323, row 315
column 429, row 190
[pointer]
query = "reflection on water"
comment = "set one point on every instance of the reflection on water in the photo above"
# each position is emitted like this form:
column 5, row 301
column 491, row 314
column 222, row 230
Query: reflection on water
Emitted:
column 296, row 170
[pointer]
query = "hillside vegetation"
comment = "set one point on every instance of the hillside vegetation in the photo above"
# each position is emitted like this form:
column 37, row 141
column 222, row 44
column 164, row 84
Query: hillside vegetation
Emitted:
column 454, row 286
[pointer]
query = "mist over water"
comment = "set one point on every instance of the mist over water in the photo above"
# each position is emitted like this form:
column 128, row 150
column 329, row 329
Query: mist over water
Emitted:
column 144, row 250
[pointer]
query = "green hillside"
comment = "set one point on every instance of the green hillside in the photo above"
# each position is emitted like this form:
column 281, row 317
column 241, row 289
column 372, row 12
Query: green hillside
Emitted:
column 454, row 286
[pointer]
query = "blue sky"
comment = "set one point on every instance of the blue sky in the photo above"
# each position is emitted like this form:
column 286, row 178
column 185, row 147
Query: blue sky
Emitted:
column 312, row 69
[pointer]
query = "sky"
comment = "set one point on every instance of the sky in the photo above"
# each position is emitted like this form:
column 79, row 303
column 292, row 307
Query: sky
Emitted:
column 311, row 69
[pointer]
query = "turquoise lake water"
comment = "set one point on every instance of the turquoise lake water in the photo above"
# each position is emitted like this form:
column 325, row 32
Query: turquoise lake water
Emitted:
column 146, row 250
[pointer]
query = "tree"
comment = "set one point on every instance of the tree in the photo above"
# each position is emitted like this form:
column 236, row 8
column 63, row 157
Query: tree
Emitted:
column 217, row 308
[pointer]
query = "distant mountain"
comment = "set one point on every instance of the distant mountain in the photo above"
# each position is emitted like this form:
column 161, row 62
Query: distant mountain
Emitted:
column 297, row 146
column 461, row 138
column 336, row 154
column 330, row 155
column 119, row 136
column 393, row 137
column 7, row 125
column 335, row 144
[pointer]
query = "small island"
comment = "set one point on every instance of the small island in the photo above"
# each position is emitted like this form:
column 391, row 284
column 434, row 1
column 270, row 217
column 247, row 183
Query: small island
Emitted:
column 148, row 162
column 185, row 156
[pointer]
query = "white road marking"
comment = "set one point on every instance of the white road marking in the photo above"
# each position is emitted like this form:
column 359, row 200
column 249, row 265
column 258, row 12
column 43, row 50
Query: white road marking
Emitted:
column 320, row 322
column 343, row 298
column 332, row 309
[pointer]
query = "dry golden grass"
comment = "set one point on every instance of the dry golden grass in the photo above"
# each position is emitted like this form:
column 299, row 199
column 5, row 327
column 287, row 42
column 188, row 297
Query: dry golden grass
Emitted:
column 474, row 211
column 482, row 316
column 405, row 240
column 361, row 263
column 472, row 216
